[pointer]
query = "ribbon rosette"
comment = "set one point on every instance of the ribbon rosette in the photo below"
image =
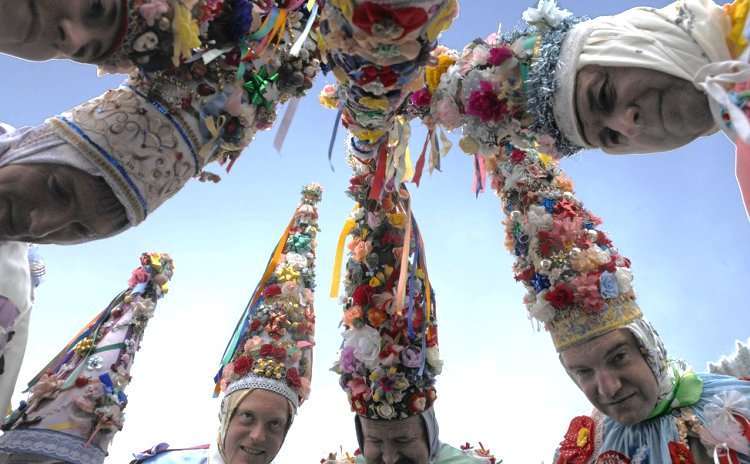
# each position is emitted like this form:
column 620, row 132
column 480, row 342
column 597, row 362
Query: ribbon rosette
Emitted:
column 578, row 444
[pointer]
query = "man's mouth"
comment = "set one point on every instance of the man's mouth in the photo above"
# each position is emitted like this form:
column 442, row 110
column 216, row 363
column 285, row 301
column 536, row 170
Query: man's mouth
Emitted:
column 252, row 451
column 620, row 401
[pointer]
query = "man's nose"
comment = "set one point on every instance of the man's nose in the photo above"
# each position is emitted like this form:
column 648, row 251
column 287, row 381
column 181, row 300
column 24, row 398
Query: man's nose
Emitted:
column 608, row 385
column 71, row 36
column 390, row 455
column 258, row 433
column 626, row 121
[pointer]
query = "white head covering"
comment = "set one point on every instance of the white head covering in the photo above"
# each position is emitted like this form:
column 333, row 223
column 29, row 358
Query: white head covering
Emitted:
column 686, row 39
column 431, row 429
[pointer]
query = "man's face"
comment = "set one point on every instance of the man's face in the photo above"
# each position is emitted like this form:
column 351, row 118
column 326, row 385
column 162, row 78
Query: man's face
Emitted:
column 257, row 429
column 395, row 441
column 614, row 376
column 47, row 203
column 82, row 30
column 637, row 110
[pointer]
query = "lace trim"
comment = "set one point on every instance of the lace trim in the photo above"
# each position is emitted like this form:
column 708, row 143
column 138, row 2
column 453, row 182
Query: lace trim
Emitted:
column 55, row 445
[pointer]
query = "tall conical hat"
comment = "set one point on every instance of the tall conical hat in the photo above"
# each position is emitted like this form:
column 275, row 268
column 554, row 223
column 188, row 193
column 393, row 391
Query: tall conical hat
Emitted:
column 389, row 357
column 76, row 402
column 272, row 346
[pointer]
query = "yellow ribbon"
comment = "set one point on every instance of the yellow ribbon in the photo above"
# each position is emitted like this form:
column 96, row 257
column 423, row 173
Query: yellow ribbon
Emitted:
column 336, row 278
column 402, row 276
column 274, row 259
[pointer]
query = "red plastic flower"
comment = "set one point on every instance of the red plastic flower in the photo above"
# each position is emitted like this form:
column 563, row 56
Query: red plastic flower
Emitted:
column 602, row 239
column 587, row 292
column 549, row 243
column 517, row 156
column 375, row 18
column 499, row 55
column 255, row 325
column 680, row 454
column 242, row 365
column 272, row 290
column 578, row 444
column 362, row 295
column 485, row 104
column 292, row 377
column 385, row 75
column 279, row 353
column 566, row 208
column 561, row 296
column 266, row 350
column 421, row 98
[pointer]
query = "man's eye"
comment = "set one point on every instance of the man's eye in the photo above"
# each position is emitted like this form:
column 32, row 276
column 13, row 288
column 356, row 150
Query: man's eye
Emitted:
column 619, row 359
column 56, row 188
column 613, row 137
column 605, row 96
column 583, row 373
column 96, row 9
column 403, row 440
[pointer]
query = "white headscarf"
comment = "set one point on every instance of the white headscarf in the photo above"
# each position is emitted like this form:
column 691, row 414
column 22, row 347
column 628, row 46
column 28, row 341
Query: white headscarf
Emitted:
column 431, row 429
column 686, row 39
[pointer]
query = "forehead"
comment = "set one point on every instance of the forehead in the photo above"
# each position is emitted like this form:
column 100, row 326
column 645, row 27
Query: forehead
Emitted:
column 264, row 403
column 594, row 351
column 391, row 429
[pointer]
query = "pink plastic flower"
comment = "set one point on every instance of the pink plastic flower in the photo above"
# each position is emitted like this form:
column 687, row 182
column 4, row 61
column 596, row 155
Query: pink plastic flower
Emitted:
column 421, row 98
column 139, row 276
column 153, row 10
column 485, row 104
column 499, row 55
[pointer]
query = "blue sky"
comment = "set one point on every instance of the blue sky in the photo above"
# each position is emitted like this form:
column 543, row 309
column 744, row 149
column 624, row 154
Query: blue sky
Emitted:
column 677, row 216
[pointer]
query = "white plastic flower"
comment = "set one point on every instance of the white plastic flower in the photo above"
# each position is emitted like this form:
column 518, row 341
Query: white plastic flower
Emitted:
column 433, row 359
column 546, row 14
column 624, row 280
column 541, row 310
column 366, row 344
column 539, row 218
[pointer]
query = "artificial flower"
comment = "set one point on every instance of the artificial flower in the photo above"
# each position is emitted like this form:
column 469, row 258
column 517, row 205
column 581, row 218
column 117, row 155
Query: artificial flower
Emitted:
column 560, row 296
column 433, row 73
column 242, row 365
column 351, row 315
column 499, row 55
column 376, row 317
column 486, row 105
column 366, row 343
column 186, row 34
column 293, row 378
column 587, row 292
column 608, row 285
column 433, row 359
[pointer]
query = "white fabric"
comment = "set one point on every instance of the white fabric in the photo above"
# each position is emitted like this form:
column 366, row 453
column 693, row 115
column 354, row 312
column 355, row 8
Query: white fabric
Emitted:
column 38, row 145
column 15, row 285
column 679, row 39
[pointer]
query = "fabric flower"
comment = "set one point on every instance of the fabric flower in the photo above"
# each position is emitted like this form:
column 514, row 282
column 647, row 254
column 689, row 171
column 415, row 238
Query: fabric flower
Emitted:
column 485, row 104
column 546, row 14
column 608, row 285
column 139, row 276
column 541, row 309
column 421, row 98
column 271, row 291
column 366, row 344
column 624, row 280
column 433, row 359
column 417, row 402
column 186, row 34
column 362, row 295
column 351, row 315
column 152, row 10
column 411, row 357
column 376, row 317
column 347, row 361
column 587, row 292
column 385, row 411
column 242, row 365
column 447, row 113
column 434, row 73
column 561, row 296
column 293, row 378
column 499, row 55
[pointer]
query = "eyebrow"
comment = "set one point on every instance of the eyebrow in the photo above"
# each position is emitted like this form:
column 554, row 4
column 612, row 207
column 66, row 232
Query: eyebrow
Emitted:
column 606, row 355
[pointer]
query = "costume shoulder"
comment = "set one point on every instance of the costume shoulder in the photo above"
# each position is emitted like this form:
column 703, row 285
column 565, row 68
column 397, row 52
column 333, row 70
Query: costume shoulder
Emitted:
column 161, row 454
column 724, row 413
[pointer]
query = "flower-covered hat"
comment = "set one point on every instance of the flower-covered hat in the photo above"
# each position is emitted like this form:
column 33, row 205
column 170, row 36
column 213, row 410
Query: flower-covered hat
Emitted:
column 389, row 357
column 205, row 76
column 579, row 286
column 503, row 88
column 76, row 402
column 376, row 50
column 272, row 345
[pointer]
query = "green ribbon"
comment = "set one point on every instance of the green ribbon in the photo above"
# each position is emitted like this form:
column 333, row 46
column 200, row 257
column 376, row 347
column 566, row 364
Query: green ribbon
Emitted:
column 258, row 84
column 686, row 391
